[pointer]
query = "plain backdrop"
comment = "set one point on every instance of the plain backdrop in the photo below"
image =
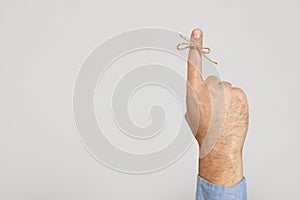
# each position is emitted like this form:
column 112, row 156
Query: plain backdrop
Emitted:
column 42, row 45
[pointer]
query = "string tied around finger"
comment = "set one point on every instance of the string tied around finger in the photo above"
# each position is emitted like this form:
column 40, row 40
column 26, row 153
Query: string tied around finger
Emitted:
column 188, row 44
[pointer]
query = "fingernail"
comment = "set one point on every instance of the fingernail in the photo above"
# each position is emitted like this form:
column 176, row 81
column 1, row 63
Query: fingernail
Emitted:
column 197, row 33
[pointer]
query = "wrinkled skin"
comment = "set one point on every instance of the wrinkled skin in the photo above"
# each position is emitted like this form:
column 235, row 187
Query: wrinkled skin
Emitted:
column 218, row 116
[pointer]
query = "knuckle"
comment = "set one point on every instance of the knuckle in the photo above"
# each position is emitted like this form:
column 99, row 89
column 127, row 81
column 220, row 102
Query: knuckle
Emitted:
column 227, row 84
column 212, row 80
column 240, row 93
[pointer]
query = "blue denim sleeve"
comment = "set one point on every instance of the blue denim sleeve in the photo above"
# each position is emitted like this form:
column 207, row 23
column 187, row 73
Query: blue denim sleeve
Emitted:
column 209, row 191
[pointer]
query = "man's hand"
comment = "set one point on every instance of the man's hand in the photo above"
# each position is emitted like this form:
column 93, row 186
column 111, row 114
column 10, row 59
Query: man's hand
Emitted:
column 218, row 116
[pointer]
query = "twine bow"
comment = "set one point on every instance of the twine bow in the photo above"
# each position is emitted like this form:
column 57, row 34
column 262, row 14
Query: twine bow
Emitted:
column 187, row 44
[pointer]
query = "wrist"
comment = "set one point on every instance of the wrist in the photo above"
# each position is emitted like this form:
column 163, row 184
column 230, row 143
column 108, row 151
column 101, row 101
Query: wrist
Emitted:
column 223, row 170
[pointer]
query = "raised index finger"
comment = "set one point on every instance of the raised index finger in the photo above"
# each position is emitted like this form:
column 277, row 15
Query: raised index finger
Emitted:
column 195, row 59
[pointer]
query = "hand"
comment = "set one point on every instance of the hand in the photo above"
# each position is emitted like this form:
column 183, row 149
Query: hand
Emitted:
column 218, row 116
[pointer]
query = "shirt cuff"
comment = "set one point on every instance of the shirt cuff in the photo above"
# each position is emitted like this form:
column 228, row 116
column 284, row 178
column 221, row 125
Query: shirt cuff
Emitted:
column 210, row 191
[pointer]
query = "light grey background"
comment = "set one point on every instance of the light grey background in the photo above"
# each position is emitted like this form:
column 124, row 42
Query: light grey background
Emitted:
column 42, row 45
